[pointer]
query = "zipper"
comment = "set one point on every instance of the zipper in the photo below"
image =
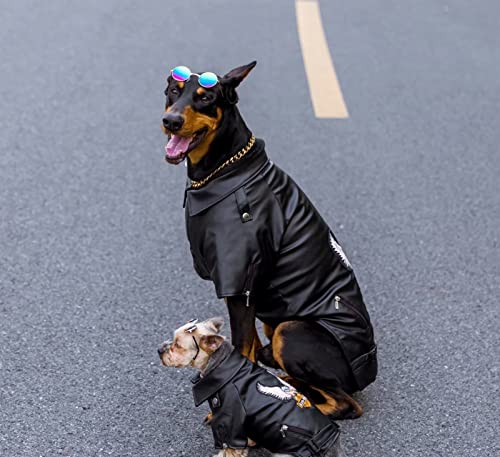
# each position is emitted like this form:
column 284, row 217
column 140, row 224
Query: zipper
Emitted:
column 352, row 308
column 285, row 429
column 251, row 270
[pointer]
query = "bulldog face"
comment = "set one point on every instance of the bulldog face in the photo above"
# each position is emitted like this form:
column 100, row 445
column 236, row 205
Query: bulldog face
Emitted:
column 193, row 344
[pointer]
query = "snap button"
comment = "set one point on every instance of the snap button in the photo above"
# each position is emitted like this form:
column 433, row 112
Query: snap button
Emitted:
column 224, row 445
column 215, row 402
column 246, row 217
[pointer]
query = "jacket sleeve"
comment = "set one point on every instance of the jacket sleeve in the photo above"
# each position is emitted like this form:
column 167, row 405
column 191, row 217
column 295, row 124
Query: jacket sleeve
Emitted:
column 241, row 249
column 228, row 423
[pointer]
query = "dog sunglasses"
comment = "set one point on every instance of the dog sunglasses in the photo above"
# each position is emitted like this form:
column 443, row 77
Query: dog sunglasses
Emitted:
column 190, row 330
column 207, row 79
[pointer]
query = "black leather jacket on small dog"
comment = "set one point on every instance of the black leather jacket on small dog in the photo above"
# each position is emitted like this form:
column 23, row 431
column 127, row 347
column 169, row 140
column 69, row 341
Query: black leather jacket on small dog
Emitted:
column 253, row 232
column 249, row 402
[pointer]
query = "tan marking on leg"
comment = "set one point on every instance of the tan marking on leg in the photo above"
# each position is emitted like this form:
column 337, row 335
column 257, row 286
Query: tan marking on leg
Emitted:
column 250, row 351
column 278, row 342
column 277, row 346
column 268, row 331
column 338, row 406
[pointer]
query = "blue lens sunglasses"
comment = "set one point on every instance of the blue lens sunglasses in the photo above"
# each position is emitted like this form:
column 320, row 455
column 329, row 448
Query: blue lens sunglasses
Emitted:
column 207, row 79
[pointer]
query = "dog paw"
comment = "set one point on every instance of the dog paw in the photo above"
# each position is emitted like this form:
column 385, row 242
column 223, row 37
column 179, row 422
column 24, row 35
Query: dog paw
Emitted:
column 346, row 414
column 208, row 419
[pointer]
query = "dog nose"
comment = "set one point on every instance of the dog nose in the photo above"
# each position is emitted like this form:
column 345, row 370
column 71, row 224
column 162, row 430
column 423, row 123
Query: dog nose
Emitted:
column 163, row 348
column 173, row 121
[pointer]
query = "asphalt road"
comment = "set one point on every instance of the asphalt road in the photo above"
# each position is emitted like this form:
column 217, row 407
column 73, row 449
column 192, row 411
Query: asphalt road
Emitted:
column 94, row 265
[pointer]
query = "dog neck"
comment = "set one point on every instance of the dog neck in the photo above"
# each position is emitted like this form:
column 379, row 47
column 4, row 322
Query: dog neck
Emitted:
column 232, row 135
column 217, row 358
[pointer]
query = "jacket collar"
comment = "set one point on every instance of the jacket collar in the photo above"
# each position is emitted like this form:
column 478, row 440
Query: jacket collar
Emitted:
column 205, row 387
column 227, row 182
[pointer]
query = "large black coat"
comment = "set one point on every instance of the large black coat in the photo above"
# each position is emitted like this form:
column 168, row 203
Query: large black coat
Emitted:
column 249, row 402
column 252, row 231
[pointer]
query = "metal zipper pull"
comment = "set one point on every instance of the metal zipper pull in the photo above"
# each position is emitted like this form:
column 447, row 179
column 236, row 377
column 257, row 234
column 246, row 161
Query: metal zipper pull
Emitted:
column 337, row 302
column 247, row 293
column 283, row 430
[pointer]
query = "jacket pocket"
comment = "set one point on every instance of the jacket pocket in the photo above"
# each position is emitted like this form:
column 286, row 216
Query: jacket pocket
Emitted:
column 287, row 430
column 342, row 304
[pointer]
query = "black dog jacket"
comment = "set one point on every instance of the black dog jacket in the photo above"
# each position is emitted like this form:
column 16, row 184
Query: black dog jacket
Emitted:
column 249, row 402
column 253, row 232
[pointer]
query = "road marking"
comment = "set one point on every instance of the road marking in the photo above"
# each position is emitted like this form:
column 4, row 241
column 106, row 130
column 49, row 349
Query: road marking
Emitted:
column 324, row 86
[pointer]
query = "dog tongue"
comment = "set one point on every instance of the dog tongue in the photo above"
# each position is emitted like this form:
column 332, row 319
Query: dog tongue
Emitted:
column 177, row 145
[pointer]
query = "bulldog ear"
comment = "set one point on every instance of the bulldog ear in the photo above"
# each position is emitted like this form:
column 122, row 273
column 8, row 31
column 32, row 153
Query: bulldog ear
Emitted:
column 216, row 323
column 230, row 81
column 210, row 343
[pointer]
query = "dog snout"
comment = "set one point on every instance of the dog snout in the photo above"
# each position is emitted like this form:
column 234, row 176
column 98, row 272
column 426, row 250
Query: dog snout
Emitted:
column 173, row 121
column 164, row 348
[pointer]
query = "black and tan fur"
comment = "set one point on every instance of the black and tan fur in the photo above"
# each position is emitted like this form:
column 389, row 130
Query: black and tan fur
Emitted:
column 213, row 115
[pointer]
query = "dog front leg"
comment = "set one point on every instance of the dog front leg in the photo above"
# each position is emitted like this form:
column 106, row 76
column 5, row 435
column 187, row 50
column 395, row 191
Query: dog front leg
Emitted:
column 232, row 453
column 244, row 335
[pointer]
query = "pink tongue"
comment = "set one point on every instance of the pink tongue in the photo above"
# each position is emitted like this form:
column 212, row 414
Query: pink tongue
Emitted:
column 177, row 145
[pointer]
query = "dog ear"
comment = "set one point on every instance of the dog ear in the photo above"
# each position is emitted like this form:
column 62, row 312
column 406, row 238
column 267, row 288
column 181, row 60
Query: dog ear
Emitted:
column 216, row 323
column 230, row 81
column 167, row 101
column 210, row 343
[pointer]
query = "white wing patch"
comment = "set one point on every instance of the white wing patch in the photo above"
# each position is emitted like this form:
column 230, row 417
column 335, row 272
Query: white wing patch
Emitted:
column 340, row 252
column 282, row 393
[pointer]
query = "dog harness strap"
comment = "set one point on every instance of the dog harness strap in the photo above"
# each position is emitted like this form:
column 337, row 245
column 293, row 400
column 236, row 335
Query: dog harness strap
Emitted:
column 197, row 348
column 243, row 205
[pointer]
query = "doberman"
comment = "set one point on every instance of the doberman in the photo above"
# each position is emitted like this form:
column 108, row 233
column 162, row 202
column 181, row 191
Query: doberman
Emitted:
column 271, row 256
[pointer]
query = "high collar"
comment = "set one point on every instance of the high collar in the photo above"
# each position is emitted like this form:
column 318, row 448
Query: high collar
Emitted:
column 228, row 181
column 216, row 379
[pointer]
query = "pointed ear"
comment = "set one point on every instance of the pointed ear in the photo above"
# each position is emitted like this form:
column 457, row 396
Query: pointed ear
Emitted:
column 210, row 343
column 216, row 323
column 232, row 80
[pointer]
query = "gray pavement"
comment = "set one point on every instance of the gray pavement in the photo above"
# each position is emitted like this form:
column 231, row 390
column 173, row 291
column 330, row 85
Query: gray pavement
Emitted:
column 94, row 265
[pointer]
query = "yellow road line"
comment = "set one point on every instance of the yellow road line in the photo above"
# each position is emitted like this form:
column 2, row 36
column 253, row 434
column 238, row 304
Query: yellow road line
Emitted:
column 324, row 86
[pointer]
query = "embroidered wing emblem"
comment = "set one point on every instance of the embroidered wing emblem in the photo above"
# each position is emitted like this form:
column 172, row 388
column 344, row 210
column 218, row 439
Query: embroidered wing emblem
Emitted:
column 340, row 252
column 285, row 392
column 279, row 392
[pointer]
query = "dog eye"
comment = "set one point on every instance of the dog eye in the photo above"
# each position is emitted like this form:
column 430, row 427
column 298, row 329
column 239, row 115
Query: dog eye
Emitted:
column 174, row 90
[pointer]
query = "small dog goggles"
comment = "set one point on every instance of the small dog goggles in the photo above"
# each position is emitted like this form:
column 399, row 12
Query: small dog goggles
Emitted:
column 191, row 329
column 207, row 79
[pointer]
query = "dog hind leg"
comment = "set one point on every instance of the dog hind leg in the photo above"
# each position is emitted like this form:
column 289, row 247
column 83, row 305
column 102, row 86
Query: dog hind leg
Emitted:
column 310, row 355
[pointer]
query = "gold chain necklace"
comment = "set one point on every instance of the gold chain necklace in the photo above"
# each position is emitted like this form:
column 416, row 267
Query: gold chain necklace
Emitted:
column 239, row 155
